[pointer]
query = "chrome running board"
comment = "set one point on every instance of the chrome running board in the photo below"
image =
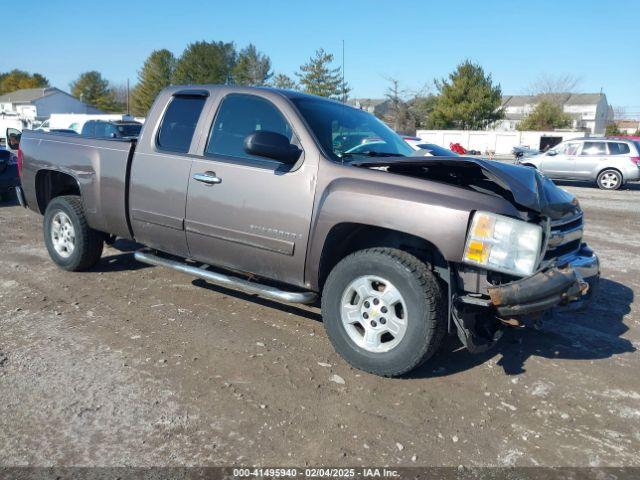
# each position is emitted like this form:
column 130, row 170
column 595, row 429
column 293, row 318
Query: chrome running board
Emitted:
column 266, row 291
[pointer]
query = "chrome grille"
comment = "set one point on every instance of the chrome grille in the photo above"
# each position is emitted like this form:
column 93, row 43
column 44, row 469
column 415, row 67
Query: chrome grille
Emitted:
column 565, row 237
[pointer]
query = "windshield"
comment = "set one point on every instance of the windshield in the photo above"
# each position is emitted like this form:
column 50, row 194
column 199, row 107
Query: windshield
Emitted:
column 129, row 130
column 345, row 132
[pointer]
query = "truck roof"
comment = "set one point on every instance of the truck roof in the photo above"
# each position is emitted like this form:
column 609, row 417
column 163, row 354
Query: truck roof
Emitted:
column 210, row 88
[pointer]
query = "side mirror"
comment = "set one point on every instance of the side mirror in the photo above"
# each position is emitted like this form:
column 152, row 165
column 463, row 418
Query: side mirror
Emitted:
column 273, row 145
column 552, row 153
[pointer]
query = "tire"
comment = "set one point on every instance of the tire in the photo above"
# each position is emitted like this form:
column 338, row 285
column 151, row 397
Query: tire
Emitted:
column 71, row 243
column 609, row 179
column 421, row 309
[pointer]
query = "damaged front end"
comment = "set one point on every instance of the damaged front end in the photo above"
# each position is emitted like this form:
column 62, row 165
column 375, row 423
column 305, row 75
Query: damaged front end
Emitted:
column 481, row 315
column 484, row 298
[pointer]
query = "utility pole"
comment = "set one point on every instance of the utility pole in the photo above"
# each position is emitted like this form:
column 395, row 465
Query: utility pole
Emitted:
column 128, row 111
column 344, row 90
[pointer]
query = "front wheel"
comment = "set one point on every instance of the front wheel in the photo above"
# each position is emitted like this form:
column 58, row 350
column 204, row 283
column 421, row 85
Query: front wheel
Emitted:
column 610, row 179
column 71, row 243
column 383, row 311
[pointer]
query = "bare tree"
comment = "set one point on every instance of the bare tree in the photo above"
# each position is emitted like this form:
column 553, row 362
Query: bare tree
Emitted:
column 552, row 87
column 619, row 113
column 398, row 116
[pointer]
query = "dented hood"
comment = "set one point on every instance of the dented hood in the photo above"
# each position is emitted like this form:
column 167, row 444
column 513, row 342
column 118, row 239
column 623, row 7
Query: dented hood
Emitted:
column 527, row 187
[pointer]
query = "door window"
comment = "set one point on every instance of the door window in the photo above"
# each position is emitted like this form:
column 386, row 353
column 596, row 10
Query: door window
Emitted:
column 618, row 148
column 179, row 123
column 239, row 116
column 567, row 148
column 594, row 148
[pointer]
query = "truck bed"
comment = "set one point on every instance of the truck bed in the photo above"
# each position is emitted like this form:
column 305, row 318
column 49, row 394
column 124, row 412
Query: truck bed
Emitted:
column 99, row 166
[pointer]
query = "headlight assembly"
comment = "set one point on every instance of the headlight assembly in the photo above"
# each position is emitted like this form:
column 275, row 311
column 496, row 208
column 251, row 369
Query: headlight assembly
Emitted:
column 503, row 244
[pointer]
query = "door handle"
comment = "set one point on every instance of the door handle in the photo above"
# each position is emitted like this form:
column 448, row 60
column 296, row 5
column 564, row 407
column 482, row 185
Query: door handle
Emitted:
column 209, row 178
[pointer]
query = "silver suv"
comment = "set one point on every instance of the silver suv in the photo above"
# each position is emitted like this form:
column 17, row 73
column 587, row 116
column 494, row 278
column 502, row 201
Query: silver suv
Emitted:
column 610, row 162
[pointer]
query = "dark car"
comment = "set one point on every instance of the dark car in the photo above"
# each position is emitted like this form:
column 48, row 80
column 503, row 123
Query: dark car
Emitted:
column 63, row 130
column 111, row 129
column 9, row 178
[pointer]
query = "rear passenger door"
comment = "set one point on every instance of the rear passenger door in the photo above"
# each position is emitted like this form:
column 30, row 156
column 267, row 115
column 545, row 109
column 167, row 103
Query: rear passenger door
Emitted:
column 587, row 164
column 256, row 216
column 160, row 175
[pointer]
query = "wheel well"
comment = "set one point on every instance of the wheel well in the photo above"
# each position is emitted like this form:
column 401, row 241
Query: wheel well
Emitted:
column 611, row 168
column 51, row 184
column 346, row 238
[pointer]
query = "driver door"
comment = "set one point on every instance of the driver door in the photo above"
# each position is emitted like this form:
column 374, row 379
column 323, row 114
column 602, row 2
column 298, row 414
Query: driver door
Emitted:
column 559, row 161
column 246, row 212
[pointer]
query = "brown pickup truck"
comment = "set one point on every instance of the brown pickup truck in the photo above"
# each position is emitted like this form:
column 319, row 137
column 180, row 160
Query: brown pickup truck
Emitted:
column 296, row 198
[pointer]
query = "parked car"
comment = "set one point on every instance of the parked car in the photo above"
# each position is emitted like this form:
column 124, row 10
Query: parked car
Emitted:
column 9, row 178
column 521, row 151
column 111, row 129
column 430, row 149
column 63, row 130
column 610, row 162
column 400, row 249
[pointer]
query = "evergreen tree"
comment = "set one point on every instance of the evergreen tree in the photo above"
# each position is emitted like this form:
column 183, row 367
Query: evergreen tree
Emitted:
column 156, row 74
column 319, row 78
column 285, row 82
column 205, row 62
column 252, row 68
column 467, row 100
column 421, row 107
column 547, row 115
column 612, row 130
column 19, row 79
column 92, row 89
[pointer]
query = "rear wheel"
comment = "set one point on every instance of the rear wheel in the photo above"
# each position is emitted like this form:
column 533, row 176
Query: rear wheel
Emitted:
column 71, row 243
column 610, row 179
column 384, row 311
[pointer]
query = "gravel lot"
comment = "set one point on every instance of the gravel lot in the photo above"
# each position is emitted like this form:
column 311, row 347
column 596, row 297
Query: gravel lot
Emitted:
column 130, row 365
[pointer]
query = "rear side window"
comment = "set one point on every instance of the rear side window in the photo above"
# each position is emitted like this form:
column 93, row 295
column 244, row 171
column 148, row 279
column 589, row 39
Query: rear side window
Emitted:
column 618, row 148
column 179, row 123
column 594, row 148
column 239, row 116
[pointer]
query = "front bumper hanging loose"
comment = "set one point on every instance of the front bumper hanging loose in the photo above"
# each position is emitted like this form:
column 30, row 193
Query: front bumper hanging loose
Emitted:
column 569, row 285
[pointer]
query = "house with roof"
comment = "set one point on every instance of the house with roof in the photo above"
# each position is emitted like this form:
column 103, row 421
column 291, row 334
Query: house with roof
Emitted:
column 590, row 112
column 37, row 104
column 628, row 127
column 377, row 106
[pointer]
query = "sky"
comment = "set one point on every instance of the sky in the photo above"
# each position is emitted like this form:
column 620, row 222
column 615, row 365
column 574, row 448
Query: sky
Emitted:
column 412, row 41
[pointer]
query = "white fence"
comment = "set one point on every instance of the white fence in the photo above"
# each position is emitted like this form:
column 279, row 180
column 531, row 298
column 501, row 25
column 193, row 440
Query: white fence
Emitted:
column 499, row 142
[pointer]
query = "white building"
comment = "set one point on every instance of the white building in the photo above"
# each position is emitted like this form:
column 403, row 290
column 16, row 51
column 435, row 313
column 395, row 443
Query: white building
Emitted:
column 590, row 112
column 628, row 127
column 500, row 142
column 37, row 104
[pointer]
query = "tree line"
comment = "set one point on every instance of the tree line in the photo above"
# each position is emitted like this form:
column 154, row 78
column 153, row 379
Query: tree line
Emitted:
column 467, row 99
column 201, row 63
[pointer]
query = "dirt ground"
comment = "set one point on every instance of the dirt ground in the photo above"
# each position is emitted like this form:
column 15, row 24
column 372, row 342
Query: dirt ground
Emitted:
column 129, row 365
